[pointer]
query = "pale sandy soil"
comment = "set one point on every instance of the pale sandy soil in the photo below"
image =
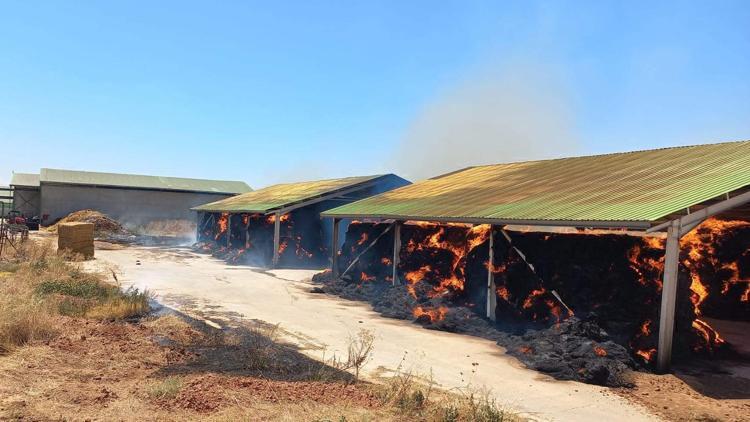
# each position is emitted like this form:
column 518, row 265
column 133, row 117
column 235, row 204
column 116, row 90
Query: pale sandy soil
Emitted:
column 321, row 326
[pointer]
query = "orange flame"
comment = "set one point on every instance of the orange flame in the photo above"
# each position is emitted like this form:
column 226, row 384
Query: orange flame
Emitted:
column 272, row 218
column 434, row 314
column 362, row 238
column 223, row 223
column 647, row 354
column 600, row 351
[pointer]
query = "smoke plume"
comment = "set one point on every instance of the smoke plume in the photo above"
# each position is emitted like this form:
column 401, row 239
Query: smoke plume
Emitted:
column 517, row 114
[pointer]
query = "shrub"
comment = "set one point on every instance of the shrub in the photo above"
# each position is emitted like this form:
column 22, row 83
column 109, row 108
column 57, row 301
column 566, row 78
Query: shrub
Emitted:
column 167, row 388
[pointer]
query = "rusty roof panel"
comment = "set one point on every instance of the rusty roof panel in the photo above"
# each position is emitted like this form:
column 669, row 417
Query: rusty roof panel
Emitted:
column 632, row 188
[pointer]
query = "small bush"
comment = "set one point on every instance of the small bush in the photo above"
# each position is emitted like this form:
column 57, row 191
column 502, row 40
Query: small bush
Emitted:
column 87, row 289
column 165, row 389
column 128, row 304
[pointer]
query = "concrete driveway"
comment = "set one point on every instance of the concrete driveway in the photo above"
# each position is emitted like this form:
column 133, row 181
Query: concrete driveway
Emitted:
column 322, row 324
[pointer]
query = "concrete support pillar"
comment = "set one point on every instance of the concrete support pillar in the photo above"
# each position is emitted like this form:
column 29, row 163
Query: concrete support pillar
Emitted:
column 491, row 294
column 335, row 248
column 229, row 231
column 668, row 298
column 396, row 251
column 247, row 232
column 202, row 217
column 276, row 239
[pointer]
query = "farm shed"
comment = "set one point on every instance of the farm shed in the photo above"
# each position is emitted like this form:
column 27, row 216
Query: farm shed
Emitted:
column 26, row 193
column 131, row 199
column 281, row 224
column 662, row 192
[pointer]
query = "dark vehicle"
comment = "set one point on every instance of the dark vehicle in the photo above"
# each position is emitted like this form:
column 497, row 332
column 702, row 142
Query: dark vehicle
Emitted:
column 16, row 218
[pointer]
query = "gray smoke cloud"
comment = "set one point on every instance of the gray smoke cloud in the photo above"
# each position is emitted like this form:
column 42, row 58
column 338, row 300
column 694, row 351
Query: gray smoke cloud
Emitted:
column 519, row 113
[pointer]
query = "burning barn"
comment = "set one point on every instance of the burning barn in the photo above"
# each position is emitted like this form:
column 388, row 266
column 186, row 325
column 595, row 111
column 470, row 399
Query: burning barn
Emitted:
column 280, row 225
column 627, row 255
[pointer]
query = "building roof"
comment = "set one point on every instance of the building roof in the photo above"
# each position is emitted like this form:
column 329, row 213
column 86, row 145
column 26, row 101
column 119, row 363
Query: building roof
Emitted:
column 133, row 181
column 632, row 189
column 25, row 180
column 287, row 194
column 6, row 195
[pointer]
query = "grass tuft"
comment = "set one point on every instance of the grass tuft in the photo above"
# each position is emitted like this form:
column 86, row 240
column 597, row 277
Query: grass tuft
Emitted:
column 36, row 284
column 167, row 388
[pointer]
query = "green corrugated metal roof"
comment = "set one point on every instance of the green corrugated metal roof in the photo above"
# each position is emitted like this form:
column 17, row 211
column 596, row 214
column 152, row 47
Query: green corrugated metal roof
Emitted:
column 141, row 182
column 25, row 179
column 633, row 188
column 283, row 195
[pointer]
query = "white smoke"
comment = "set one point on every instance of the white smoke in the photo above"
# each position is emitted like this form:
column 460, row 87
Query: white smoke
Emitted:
column 519, row 113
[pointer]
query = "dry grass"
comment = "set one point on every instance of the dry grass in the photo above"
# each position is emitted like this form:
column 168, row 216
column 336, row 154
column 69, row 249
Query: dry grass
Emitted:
column 176, row 368
column 165, row 389
column 415, row 398
column 38, row 284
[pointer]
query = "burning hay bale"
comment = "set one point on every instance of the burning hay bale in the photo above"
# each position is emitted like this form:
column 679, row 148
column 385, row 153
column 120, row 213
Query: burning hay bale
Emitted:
column 248, row 239
column 581, row 306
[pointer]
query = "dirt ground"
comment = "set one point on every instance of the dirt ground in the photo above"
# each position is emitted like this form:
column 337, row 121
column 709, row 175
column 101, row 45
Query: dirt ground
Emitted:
column 113, row 371
column 320, row 326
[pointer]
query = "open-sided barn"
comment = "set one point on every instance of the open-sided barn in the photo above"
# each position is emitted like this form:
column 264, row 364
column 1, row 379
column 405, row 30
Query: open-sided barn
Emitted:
column 281, row 224
column 448, row 226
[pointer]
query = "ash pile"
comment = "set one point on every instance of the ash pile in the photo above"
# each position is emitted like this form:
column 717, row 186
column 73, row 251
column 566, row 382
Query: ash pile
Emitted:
column 579, row 306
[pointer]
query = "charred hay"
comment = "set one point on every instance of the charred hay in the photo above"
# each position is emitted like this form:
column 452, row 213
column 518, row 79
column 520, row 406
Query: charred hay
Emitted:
column 611, row 282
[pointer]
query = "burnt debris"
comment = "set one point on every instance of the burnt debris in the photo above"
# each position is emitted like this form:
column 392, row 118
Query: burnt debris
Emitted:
column 581, row 306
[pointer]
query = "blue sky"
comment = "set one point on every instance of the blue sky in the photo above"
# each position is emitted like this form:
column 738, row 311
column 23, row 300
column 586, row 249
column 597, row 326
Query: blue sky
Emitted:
column 301, row 90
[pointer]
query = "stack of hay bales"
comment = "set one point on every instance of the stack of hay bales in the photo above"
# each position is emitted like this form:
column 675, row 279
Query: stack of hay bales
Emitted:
column 76, row 238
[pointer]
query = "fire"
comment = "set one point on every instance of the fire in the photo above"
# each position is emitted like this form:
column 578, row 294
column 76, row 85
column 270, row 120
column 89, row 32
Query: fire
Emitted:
column 646, row 328
column 223, row 224
column 530, row 298
column 414, row 277
column 710, row 335
column 647, row 354
column 699, row 292
column 502, row 291
column 385, row 261
column 526, row 350
column 272, row 218
column 282, row 246
column 600, row 351
column 434, row 314
column 365, row 277
column 362, row 238
column 475, row 236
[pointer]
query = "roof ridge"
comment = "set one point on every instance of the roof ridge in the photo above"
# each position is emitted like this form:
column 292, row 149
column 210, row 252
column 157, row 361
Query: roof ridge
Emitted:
column 133, row 174
column 596, row 155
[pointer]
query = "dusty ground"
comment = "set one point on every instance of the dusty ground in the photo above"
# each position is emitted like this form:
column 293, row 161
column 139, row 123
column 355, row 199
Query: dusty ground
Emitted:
column 320, row 326
column 702, row 390
column 109, row 371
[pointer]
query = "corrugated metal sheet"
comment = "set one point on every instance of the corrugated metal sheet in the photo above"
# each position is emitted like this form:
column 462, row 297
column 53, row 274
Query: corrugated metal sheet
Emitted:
column 141, row 182
column 25, row 179
column 285, row 194
column 633, row 188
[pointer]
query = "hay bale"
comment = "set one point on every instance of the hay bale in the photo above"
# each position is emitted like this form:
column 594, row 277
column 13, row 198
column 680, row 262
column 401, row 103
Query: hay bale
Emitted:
column 76, row 238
